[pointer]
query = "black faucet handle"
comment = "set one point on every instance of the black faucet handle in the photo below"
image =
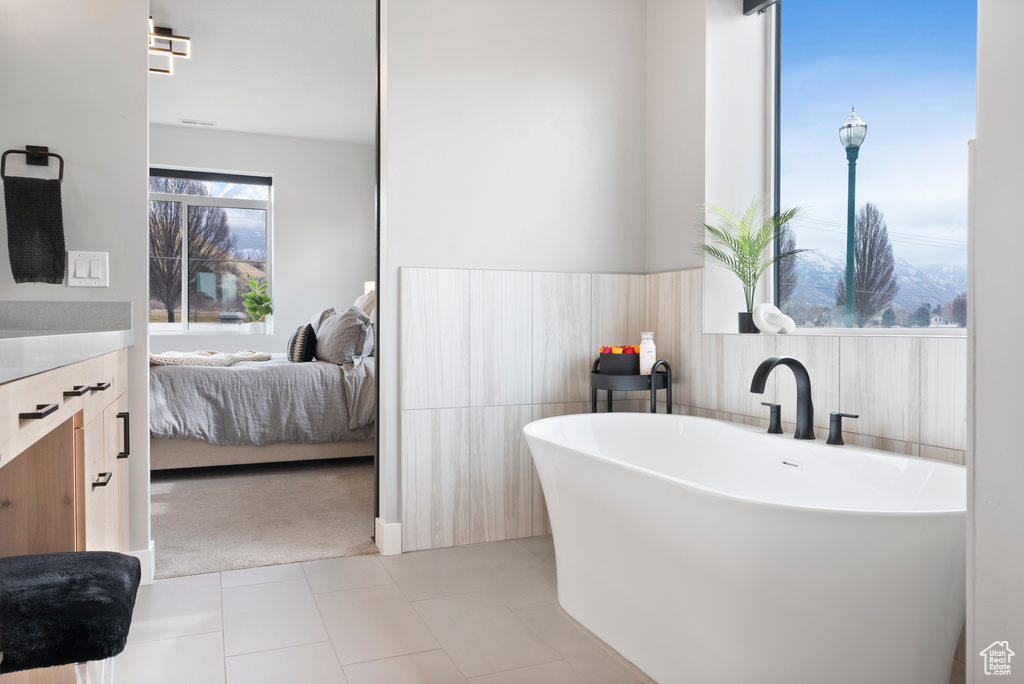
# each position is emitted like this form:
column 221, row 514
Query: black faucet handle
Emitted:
column 835, row 427
column 775, row 418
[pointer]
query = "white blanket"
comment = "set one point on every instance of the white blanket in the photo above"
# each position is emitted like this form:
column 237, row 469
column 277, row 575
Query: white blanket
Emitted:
column 205, row 358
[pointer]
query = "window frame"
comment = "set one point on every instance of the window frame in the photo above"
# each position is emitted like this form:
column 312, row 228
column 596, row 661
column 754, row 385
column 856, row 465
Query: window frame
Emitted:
column 183, row 327
column 774, row 168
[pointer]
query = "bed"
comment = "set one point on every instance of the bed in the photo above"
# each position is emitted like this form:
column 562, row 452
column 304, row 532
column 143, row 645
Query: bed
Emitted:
column 260, row 412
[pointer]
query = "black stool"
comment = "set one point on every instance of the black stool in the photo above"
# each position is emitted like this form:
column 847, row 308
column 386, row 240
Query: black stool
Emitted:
column 63, row 608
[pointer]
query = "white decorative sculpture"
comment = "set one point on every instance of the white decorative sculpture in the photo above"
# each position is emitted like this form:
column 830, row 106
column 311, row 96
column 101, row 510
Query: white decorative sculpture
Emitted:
column 770, row 320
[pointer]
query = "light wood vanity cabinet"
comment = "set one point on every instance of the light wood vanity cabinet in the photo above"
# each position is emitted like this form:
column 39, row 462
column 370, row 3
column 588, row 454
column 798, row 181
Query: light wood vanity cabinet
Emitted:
column 64, row 475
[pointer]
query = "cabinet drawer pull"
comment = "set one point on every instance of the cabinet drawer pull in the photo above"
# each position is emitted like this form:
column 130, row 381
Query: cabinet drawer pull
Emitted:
column 42, row 410
column 102, row 479
column 101, row 387
column 127, row 444
column 78, row 391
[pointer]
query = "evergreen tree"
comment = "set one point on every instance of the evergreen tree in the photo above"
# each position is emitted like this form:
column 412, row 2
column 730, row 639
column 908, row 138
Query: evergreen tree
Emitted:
column 958, row 310
column 889, row 318
column 922, row 317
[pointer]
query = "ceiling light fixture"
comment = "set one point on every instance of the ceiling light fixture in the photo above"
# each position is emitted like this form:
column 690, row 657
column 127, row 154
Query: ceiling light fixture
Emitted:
column 163, row 42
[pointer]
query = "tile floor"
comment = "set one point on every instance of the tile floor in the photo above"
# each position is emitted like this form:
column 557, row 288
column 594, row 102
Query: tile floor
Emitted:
column 485, row 614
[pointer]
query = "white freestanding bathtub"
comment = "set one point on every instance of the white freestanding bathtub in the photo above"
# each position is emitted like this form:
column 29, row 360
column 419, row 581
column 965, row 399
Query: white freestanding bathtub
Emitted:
column 707, row 552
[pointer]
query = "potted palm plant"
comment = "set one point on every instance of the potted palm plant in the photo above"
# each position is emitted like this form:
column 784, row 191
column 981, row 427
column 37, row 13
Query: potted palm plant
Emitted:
column 742, row 244
column 257, row 304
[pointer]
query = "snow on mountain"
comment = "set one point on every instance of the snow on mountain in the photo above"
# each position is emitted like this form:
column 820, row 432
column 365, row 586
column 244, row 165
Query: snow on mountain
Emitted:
column 818, row 274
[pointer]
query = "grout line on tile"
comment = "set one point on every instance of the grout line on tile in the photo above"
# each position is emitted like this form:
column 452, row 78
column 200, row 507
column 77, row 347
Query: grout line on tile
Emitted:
column 522, row 667
column 401, row 655
column 168, row 638
column 334, row 649
column 279, row 648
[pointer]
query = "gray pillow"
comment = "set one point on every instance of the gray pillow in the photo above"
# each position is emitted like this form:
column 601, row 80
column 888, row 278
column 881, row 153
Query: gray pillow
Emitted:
column 343, row 337
column 320, row 318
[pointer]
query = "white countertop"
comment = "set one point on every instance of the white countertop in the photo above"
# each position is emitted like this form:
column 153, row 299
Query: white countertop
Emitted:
column 27, row 352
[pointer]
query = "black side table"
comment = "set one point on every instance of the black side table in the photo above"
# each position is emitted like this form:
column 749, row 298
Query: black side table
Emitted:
column 660, row 378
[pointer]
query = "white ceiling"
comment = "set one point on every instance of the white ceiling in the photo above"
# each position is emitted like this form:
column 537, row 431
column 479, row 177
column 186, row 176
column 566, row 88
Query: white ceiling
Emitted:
column 302, row 68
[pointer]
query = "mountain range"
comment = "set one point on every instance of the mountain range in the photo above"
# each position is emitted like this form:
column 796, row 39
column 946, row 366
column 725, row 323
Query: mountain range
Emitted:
column 818, row 274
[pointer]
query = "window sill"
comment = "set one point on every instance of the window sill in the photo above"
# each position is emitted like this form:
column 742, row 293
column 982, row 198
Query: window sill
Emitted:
column 870, row 332
column 235, row 331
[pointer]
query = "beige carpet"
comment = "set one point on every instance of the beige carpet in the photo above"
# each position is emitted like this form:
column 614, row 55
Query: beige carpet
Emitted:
column 228, row 518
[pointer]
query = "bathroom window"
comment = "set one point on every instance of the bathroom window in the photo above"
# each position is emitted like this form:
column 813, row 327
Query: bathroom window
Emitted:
column 208, row 233
column 907, row 70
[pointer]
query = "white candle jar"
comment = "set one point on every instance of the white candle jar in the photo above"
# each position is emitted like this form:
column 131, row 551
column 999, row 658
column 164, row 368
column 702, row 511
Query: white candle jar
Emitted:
column 648, row 353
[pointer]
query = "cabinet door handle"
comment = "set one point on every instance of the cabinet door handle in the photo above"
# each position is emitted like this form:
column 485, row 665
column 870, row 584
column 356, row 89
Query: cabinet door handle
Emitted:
column 102, row 479
column 78, row 391
column 42, row 410
column 127, row 429
column 101, row 387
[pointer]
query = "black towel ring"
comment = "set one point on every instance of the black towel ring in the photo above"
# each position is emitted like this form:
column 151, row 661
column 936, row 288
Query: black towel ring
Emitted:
column 37, row 156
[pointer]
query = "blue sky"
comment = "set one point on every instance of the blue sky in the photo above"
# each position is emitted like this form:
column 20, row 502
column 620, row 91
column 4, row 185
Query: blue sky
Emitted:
column 909, row 68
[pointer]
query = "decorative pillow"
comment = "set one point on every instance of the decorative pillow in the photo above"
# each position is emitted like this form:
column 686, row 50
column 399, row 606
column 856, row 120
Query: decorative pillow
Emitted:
column 367, row 302
column 302, row 344
column 320, row 318
column 343, row 337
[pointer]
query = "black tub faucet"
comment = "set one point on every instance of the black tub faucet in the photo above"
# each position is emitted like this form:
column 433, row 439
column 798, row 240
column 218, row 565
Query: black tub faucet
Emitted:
column 804, row 407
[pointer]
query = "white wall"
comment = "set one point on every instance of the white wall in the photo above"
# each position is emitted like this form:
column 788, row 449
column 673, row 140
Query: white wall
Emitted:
column 736, row 138
column 74, row 79
column 994, row 454
column 324, row 242
column 676, row 31
column 513, row 138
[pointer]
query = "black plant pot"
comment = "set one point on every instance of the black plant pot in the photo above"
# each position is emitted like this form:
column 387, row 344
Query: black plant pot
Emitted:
column 746, row 320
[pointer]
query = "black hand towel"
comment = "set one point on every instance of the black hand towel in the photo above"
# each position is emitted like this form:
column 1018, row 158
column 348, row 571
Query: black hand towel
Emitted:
column 35, row 229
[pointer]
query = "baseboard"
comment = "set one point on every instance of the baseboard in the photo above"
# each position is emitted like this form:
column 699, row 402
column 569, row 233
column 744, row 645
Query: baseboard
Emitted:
column 148, row 559
column 388, row 537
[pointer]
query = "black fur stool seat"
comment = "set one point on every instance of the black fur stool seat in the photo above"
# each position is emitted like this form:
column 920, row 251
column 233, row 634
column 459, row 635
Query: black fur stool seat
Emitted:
column 62, row 608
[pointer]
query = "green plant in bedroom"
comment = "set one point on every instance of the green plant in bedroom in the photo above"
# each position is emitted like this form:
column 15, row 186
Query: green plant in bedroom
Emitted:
column 743, row 243
column 257, row 301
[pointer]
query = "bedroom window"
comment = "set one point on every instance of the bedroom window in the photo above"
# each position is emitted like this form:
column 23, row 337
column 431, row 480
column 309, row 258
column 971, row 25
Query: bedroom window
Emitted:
column 208, row 233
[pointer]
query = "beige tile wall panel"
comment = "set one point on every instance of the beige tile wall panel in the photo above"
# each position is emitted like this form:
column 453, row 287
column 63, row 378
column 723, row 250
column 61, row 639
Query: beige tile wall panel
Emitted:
column 741, row 355
column 691, row 336
column 561, row 337
column 435, row 478
column 664, row 305
column 820, row 355
column 708, row 371
column 618, row 314
column 500, row 473
column 500, row 338
column 435, row 338
column 944, row 392
column 880, row 379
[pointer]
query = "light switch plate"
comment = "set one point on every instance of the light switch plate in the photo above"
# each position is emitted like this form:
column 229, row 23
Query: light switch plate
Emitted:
column 88, row 269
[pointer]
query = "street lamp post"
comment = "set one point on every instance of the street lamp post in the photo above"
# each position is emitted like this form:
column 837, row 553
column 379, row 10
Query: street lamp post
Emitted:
column 852, row 136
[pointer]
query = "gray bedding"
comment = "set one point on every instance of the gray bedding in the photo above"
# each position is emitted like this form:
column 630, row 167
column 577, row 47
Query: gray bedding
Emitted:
column 263, row 402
